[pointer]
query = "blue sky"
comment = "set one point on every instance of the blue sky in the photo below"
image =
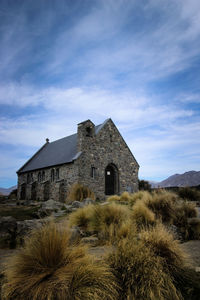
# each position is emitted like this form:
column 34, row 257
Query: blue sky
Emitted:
column 138, row 62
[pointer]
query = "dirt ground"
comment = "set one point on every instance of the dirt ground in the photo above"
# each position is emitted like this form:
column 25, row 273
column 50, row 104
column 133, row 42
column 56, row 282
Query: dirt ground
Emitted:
column 191, row 248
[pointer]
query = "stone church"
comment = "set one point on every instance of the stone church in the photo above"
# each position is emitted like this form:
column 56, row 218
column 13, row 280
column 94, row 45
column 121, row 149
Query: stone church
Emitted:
column 96, row 156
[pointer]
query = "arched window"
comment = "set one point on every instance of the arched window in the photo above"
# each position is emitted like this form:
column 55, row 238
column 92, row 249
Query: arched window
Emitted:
column 57, row 174
column 39, row 177
column 43, row 175
column 88, row 131
column 52, row 175
column 28, row 178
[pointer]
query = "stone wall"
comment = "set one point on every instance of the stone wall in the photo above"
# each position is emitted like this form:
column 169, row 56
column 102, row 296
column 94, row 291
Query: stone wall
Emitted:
column 98, row 151
column 56, row 189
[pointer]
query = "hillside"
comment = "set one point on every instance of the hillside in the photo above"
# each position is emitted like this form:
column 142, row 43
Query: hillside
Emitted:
column 7, row 191
column 191, row 178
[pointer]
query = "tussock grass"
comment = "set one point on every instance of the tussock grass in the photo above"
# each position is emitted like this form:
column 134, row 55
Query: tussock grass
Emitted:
column 162, row 203
column 49, row 268
column 107, row 219
column 127, row 229
column 140, row 273
column 163, row 244
column 142, row 215
column 185, row 210
column 81, row 217
column 125, row 197
column 80, row 192
column 113, row 198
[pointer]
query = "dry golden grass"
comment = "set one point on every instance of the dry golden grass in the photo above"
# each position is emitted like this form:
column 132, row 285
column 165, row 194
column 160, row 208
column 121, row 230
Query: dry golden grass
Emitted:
column 162, row 203
column 140, row 272
column 81, row 217
column 107, row 219
column 142, row 215
column 80, row 192
column 141, row 195
column 114, row 198
column 184, row 210
column 127, row 229
column 125, row 197
column 163, row 244
column 49, row 268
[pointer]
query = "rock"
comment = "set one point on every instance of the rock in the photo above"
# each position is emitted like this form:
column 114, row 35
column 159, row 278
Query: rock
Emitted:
column 77, row 204
column 48, row 207
column 91, row 240
column 88, row 201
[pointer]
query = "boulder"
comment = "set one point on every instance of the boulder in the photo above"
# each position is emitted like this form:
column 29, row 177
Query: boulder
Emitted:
column 77, row 204
column 48, row 207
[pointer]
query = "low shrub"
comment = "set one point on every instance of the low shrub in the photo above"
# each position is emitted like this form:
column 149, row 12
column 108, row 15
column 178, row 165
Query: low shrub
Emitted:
column 49, row 268
column 140, row 272
column 142, row 215
column 194, row 229
column 189, row 193
column 80, row 192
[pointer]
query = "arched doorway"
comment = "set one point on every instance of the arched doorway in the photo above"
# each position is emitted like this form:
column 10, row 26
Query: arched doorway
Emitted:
column 111, row 180
column 62, row 192
column 23, row 192
column 34, row 191
column 46, row 190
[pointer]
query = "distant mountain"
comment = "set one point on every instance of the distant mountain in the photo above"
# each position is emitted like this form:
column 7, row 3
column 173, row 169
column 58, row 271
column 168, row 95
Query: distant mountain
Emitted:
column 6, row 192
column 191, row 178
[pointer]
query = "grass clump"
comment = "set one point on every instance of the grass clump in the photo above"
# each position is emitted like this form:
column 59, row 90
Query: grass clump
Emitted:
column 81, row 217
column 107, row 219
column 142, row 215
column 163, row 245
column 113, row 198
column 140, row 273
column 184, row 210
column 49, row 268
column 80, row 192
column 162, row 203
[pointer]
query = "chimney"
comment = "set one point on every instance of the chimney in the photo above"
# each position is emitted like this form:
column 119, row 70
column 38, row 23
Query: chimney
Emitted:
column 85, row 134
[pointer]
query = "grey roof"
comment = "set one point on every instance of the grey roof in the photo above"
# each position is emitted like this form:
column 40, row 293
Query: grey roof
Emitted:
column 55, row 153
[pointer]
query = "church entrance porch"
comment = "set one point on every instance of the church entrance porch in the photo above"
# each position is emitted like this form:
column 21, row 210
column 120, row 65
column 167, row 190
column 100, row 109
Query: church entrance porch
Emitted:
column 111, row 180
